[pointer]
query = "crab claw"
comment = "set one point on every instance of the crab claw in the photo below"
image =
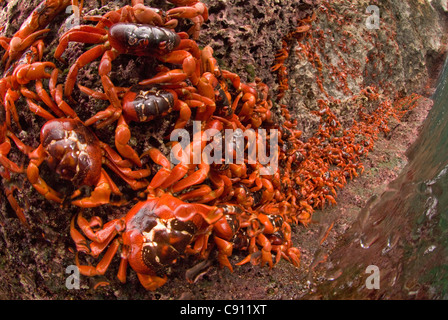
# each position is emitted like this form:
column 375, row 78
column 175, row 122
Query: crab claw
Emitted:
column 122, row 137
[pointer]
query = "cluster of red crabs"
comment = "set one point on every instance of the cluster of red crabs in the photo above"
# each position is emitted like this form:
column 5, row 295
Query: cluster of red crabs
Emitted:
column 190, row 209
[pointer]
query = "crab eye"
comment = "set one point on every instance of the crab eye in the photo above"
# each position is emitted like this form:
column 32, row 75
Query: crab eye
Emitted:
column 143, row 42
column 132, row 39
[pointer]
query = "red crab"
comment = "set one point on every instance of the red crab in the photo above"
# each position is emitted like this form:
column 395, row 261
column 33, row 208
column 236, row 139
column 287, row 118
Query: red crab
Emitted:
column 194, row 10
column 128, row 38
column 144, row 104
column 153, row 235
column 7, row 166
column 14, row 83
column 137, row 13
column 75, row 153
column 272, row 233
column 32, row 28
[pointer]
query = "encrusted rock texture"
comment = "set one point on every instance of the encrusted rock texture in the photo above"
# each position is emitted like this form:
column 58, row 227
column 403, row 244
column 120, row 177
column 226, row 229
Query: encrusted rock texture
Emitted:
column 403, row 56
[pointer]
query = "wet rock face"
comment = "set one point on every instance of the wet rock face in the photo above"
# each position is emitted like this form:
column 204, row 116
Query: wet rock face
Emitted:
column 399, row 57
column 246, row 34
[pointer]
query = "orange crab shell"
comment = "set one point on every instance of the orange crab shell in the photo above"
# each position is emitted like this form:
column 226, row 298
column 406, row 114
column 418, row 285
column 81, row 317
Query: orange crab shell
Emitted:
column 142, row 40
column 157, row 234
column 73, row 150
column 144, row 105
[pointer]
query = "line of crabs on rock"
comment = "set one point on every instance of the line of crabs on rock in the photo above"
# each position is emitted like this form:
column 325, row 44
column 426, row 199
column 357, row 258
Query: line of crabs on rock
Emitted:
column 190, row 209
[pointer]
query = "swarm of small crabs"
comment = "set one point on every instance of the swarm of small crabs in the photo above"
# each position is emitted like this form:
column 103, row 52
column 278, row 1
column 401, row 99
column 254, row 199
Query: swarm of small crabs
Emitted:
column 200, row 209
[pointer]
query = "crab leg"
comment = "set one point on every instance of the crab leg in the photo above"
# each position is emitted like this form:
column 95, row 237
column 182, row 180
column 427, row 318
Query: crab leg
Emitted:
column 130, row 176
column 104, row 69
column 38, row 110
column 114, row 156
column 101, row 239
column 150, row 282
column 166, row 172
column 43, row 95
column 80, row 240
column 34, row 71
column 102, row 236
column 13, row 202
column 186, row 60
column 37, row 157
column 83, row 33
column 84, row 59
column 57, row 93
column 103, row 265
column 17, row 46
column 176, row 174
column 5, row 147
column 120, row 167
column 122, row 137
column 186, row 211
column 204, row 193
column 22, row 147
column 10, row 107
column 101, row 194
column 197, row 177
column 121, row 275
column 197, row 13
column 225, row 249
column 171, row 76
